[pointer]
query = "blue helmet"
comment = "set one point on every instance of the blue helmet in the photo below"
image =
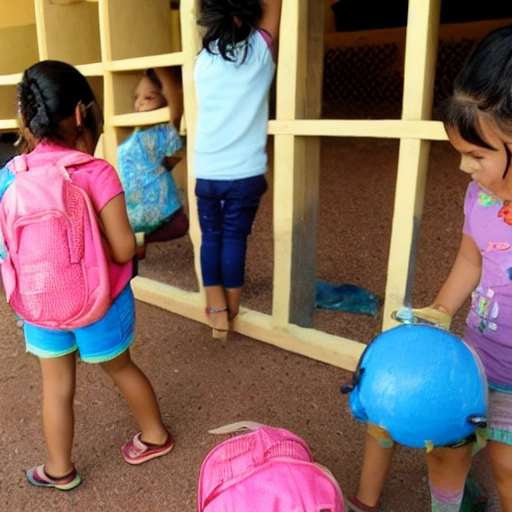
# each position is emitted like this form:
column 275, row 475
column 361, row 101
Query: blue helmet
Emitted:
column 423, row 385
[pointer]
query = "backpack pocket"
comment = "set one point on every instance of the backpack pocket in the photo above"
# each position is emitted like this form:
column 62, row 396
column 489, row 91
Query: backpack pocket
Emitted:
column 38, row 295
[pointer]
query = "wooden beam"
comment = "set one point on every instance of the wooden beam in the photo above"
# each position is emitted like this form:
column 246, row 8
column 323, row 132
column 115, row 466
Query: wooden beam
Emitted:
column 162, row 115
column 151, row 61
column 420, row 67
column 386, row 128
column 7, row 125
column 297, row 163
column 93, row 69
column 110, row 140
column 10, row 79
column 191, row 45
column 341, row 352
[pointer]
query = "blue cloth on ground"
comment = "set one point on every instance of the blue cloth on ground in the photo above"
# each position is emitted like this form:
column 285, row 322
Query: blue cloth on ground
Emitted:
column 346, row 297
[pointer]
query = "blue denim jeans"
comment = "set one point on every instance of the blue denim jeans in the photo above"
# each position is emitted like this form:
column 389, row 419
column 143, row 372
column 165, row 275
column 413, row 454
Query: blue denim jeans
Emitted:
column 226, row 213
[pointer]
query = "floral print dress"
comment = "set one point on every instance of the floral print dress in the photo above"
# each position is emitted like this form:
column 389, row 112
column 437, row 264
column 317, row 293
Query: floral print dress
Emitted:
column 150, row 189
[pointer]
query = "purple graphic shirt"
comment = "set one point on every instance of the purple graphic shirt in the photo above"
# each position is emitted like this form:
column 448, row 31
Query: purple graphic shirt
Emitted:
column 489, row 322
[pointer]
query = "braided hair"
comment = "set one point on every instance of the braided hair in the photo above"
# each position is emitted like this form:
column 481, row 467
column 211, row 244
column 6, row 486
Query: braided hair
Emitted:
column 218, row 18
column 48, row 95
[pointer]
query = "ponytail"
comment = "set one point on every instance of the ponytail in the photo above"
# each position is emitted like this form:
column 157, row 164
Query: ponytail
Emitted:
column 218, row 17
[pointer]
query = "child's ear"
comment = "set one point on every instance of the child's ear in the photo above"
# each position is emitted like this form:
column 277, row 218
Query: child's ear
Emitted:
column 80, row 116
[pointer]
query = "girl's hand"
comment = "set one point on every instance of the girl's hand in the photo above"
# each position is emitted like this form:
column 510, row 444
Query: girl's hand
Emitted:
column 436, row 314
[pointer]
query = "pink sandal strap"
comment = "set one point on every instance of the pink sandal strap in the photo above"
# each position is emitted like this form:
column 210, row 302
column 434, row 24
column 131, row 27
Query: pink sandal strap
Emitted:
column 137, row 451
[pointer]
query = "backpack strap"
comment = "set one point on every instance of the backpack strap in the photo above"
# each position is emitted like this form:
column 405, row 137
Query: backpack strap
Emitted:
column 236, row 428
column 269, row 442
column 70, row 158
column 74, row 157
column 18, row 164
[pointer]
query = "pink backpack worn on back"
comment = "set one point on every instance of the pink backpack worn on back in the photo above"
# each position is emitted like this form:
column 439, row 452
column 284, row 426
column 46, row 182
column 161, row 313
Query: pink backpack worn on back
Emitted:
column 265, row 469
column 55, row 274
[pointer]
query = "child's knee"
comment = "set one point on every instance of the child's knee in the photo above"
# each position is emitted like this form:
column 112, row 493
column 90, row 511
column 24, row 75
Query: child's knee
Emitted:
column 182, row 224
column 500, row 456
column 117, row 364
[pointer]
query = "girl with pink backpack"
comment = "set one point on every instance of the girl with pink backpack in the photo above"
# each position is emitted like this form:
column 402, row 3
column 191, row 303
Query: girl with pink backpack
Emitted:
column 72, row 249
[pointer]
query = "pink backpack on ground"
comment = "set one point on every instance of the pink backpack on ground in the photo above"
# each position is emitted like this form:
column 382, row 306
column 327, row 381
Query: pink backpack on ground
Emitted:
column 55, row 274
column 265, row 469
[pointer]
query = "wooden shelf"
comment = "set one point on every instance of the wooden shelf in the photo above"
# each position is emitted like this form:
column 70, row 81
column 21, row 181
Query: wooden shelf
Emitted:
column 94, row 69
column 10, row 79
column 161, row 115
column 140, row 63
column 8, row 125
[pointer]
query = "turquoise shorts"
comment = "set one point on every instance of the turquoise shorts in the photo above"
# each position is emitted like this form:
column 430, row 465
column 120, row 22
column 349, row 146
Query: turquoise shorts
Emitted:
column 96, row 343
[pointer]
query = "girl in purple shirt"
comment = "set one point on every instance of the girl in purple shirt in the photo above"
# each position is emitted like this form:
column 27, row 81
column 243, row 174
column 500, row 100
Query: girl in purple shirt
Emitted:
column 478, row 121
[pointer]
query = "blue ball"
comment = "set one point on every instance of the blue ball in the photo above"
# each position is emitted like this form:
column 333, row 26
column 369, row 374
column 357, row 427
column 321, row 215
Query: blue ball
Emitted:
column 423, row 385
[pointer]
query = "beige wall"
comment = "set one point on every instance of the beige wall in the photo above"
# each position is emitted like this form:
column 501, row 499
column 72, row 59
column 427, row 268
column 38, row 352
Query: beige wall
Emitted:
column 17, row 12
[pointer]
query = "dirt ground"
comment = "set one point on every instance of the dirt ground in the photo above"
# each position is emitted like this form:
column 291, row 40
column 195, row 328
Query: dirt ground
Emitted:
column 203, row 384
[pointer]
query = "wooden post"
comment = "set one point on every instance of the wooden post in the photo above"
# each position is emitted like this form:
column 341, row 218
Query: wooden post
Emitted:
column 190, row 43
column 297, row 163
column 420, row 67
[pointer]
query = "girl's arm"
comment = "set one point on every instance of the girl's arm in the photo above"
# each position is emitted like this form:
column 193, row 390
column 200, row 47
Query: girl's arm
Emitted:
column 117, row 229
column 172, row 89
column 463, row 278
column 271, row 18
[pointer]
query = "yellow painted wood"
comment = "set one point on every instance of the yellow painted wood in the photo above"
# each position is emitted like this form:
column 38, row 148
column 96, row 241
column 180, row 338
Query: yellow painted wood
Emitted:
column 420, row 58
column 191, row 44
column 68, row 32
column 15, row 13
column 296, row 164
column 140, row 63
column 110, row 132
column 175, row 30
column 18, row 47
column 285, row 158
column 284, row 163
column 421, row 49
column 138, row 28
column 162, row 115
column 93, row 69
column 110, row 139
column 10, row 79
column 388, row 128
column 8, row 110
column 7, row 125
column 334, row 350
